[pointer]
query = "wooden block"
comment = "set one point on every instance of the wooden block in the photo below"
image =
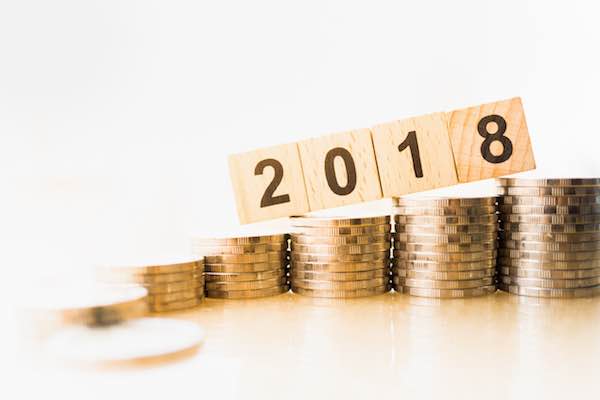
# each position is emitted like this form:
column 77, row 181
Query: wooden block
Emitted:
column 268, row 183
column 490, row 140
column 414, row 154
column 340, row 169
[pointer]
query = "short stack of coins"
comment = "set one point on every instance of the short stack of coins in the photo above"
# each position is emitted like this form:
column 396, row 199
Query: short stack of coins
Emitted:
column 445, row 247
column 244, row 267
column 335, row 257
column 550, row 237
column 172, row 284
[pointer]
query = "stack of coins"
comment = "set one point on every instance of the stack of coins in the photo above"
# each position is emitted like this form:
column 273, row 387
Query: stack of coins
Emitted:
column 340, row 257
column 172, row 284
column 445, row 247
column 550, row 237
column 244, row 267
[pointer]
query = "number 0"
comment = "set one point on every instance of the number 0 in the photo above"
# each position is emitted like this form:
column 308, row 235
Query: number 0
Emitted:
column 268, row 199
column 330, row 171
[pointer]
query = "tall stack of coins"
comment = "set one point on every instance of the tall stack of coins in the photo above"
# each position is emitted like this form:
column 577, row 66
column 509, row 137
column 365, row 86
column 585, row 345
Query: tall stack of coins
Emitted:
column 340, row 257
column 445, row 247
column 550, row 237
column 172, row 284
column 245, row 266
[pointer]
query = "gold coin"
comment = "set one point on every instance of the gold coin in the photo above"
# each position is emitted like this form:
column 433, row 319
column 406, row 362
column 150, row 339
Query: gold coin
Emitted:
column 445, row 257
column 243, row 268
column 340, row 240
column 143, row 279
column 445, row 211
column 550, row 255
column 549, row 191
column 444, row 275
column 445, row 248
column 273, row 256
column 340, row 285
column 443, row 266
column 158, row 288
column 446, row 285
column 244, row 276
column 550, row 246
column 551, row 219
column 186, row 264
column 247, row 294
column 340, row 276
column 343, row 230
column 550, row 283
column 552, row 209
column 336, row 258
column 443, row 202
column 246, row 285
column 548, row 200
column 336, row 221
column 384, row 262
column 448, row 293
column 163, row 298
column 176, row 305
column 241, row 240
column 241, row 249
column 549, row 182
column 446, row 220
column 549, row 274
column 554, row 228
column 342, row 249
column 442, row 238
column 547, row 264
column 545, row 292
column 472, row 228
column 338, row 294
column 551, row 237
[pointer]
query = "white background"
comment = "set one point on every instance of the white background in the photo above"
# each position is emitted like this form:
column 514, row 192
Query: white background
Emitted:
column 116, row 117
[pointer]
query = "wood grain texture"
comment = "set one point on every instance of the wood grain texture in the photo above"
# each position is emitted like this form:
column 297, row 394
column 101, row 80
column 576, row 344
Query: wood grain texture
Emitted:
column 396, row 168
column 313, row 154
column 250, row 186
column 467, row 142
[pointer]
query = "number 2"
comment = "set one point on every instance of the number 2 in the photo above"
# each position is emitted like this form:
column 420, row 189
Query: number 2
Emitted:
column 268, row 199
column 411, row 141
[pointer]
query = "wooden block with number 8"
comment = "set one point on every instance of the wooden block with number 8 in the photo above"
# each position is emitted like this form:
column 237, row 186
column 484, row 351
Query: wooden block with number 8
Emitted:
column 414, row 154
column 490, row 140
column 268, row 183
column 340, row 169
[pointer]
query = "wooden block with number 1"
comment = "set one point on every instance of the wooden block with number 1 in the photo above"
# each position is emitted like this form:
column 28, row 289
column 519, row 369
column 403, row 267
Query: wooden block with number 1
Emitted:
column 490, row 140
column 414, row 154
column 268, row 183
column 340, row 169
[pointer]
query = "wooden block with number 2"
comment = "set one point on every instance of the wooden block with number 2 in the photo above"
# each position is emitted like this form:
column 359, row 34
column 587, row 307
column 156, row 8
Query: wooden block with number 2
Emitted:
column 490, row 140
column 414, row 154
column 268, row 183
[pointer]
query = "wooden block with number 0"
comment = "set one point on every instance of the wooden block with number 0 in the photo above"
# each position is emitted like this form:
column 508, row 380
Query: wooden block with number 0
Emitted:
column 340, row 169
column 414, row 154
column 268, row 183
column 490, row 140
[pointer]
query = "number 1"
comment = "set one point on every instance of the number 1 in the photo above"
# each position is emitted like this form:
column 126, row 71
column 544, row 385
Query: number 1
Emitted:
column 411, row 141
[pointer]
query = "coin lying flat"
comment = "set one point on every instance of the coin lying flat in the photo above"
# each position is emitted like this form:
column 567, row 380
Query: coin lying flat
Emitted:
column 550, row 255
column 549, row 209
column 549, row 191
column 246, row 285
column 445, row 237
column 170, row 287
column 162, row 298
column 545, row 264
column 549, row 274
column 340, row 276
column 545, row 292
column 244, row 268
column 241, row 240
column 349, row 267
column 444, row 211
column 341, row 293
column 247, row 294
column 244, row 276
column 550, row 283
column 554, row 228
column 445, row 248
column 338, row 221
column 148, row 279
column 444, row 275
column 342, row 249
column 449, row 293
column 444, row 266
column 240, row 249
column 137, row 339
column 331, row 258
column 446, row 284
column 343, row 230
column 445, row 257
column 552, row 219
column 550, row 246
column 551, row 236
column 340, row 240
column 470, row 228
column 444, row 202
column 549, row 182
column 340, row 285
column 549, row 200
column 446, row 220
column 272, row 256
column 176, row 305
column 169, row 265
